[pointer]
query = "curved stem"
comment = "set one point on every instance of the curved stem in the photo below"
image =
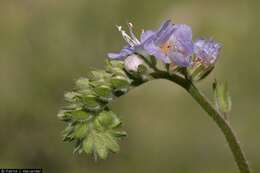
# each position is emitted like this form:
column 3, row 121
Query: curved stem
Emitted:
column 219, row 119
column 224, row 125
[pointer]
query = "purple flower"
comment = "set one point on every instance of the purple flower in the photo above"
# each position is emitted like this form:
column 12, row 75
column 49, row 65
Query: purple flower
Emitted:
column 171, row 43
column 207, row 50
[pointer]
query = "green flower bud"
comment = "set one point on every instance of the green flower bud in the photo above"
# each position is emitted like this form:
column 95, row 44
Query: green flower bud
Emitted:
column 91, row 102
column 222, row 97
column 104, row 92
column 108, row 119
column 80, row 130
column 120, row 82
column 199, row 71
column 80, row 115
column 82, row 83
column 71, row 96
column 99, row 75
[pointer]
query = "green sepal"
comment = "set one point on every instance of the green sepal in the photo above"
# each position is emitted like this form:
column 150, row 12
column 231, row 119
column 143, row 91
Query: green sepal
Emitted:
column 108, row 120
column 199, row 71
column 92, row 127
column 90, row 102
column 100, row 136
column 98, row 83
column 73, row 106
column 111, row 142
column 114, row 64
column 67, row 134
column 120, row 82
column 63, row 115
column 119, row 134
column 73, row 115
column 71, row 96
column 80, row 130
column 99, row 75
column 103, row 91
column 78, row 147
column 116, row 68
column 88, row 144
column 100, row 144
column 80, row 115
column 82, row 84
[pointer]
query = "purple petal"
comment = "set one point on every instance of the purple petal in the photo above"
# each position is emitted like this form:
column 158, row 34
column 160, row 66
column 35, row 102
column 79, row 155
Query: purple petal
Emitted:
column 154, row 50
column 165, row 36
column 115, row 55
column 207, row 50
column 199, row 46
column 183, row 32
column 145, row 35
column 180, row 59
column 164, row 27
column 164, row 33
column 122, row 54
column 182, row 39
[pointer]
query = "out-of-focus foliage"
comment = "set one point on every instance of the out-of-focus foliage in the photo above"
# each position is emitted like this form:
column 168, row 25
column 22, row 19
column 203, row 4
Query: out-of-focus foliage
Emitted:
column 45, row 45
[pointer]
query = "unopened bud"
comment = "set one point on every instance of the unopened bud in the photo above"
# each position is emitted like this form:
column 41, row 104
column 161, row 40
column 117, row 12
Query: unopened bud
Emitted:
column 132, row 63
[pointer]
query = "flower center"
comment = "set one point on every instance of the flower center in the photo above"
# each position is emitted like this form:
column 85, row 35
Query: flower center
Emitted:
column 165, row 47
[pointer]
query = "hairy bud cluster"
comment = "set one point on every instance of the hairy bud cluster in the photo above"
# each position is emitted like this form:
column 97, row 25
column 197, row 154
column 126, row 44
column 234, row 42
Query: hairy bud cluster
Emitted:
column 91, row 125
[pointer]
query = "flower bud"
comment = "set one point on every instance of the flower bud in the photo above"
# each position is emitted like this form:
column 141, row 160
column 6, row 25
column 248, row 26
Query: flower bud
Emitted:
column 207, row 51
column 199, row 71
column 132, row 63
column 222, row 96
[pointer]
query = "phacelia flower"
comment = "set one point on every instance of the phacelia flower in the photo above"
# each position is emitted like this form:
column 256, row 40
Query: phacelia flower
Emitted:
column 207, row 51
column 171, row 43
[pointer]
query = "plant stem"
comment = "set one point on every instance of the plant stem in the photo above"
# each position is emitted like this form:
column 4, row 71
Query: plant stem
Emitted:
column 224, row 125
column 219, row 118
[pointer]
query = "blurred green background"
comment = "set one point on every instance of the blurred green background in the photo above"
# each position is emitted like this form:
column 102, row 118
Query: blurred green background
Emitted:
column 45, row 45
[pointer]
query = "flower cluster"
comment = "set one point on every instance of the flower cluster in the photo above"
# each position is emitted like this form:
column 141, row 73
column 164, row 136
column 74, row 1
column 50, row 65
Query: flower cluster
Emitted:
column 171, row 44
column 91, row 125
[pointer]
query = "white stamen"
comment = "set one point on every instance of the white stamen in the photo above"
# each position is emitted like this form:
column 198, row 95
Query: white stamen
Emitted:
column 126, row 37
column 131, row 40
column 130, row 26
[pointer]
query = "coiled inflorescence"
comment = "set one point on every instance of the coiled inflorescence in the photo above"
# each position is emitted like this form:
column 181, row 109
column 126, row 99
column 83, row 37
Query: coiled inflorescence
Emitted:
column 167, row 51
column 92, row 126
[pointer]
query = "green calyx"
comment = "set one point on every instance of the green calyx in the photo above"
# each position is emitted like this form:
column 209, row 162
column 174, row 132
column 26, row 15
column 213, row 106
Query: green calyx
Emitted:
column 91, row 125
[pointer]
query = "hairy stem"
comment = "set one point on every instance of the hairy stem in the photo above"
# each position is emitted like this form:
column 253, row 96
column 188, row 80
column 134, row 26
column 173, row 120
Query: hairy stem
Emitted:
column 224, row 125
column 218, row 118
